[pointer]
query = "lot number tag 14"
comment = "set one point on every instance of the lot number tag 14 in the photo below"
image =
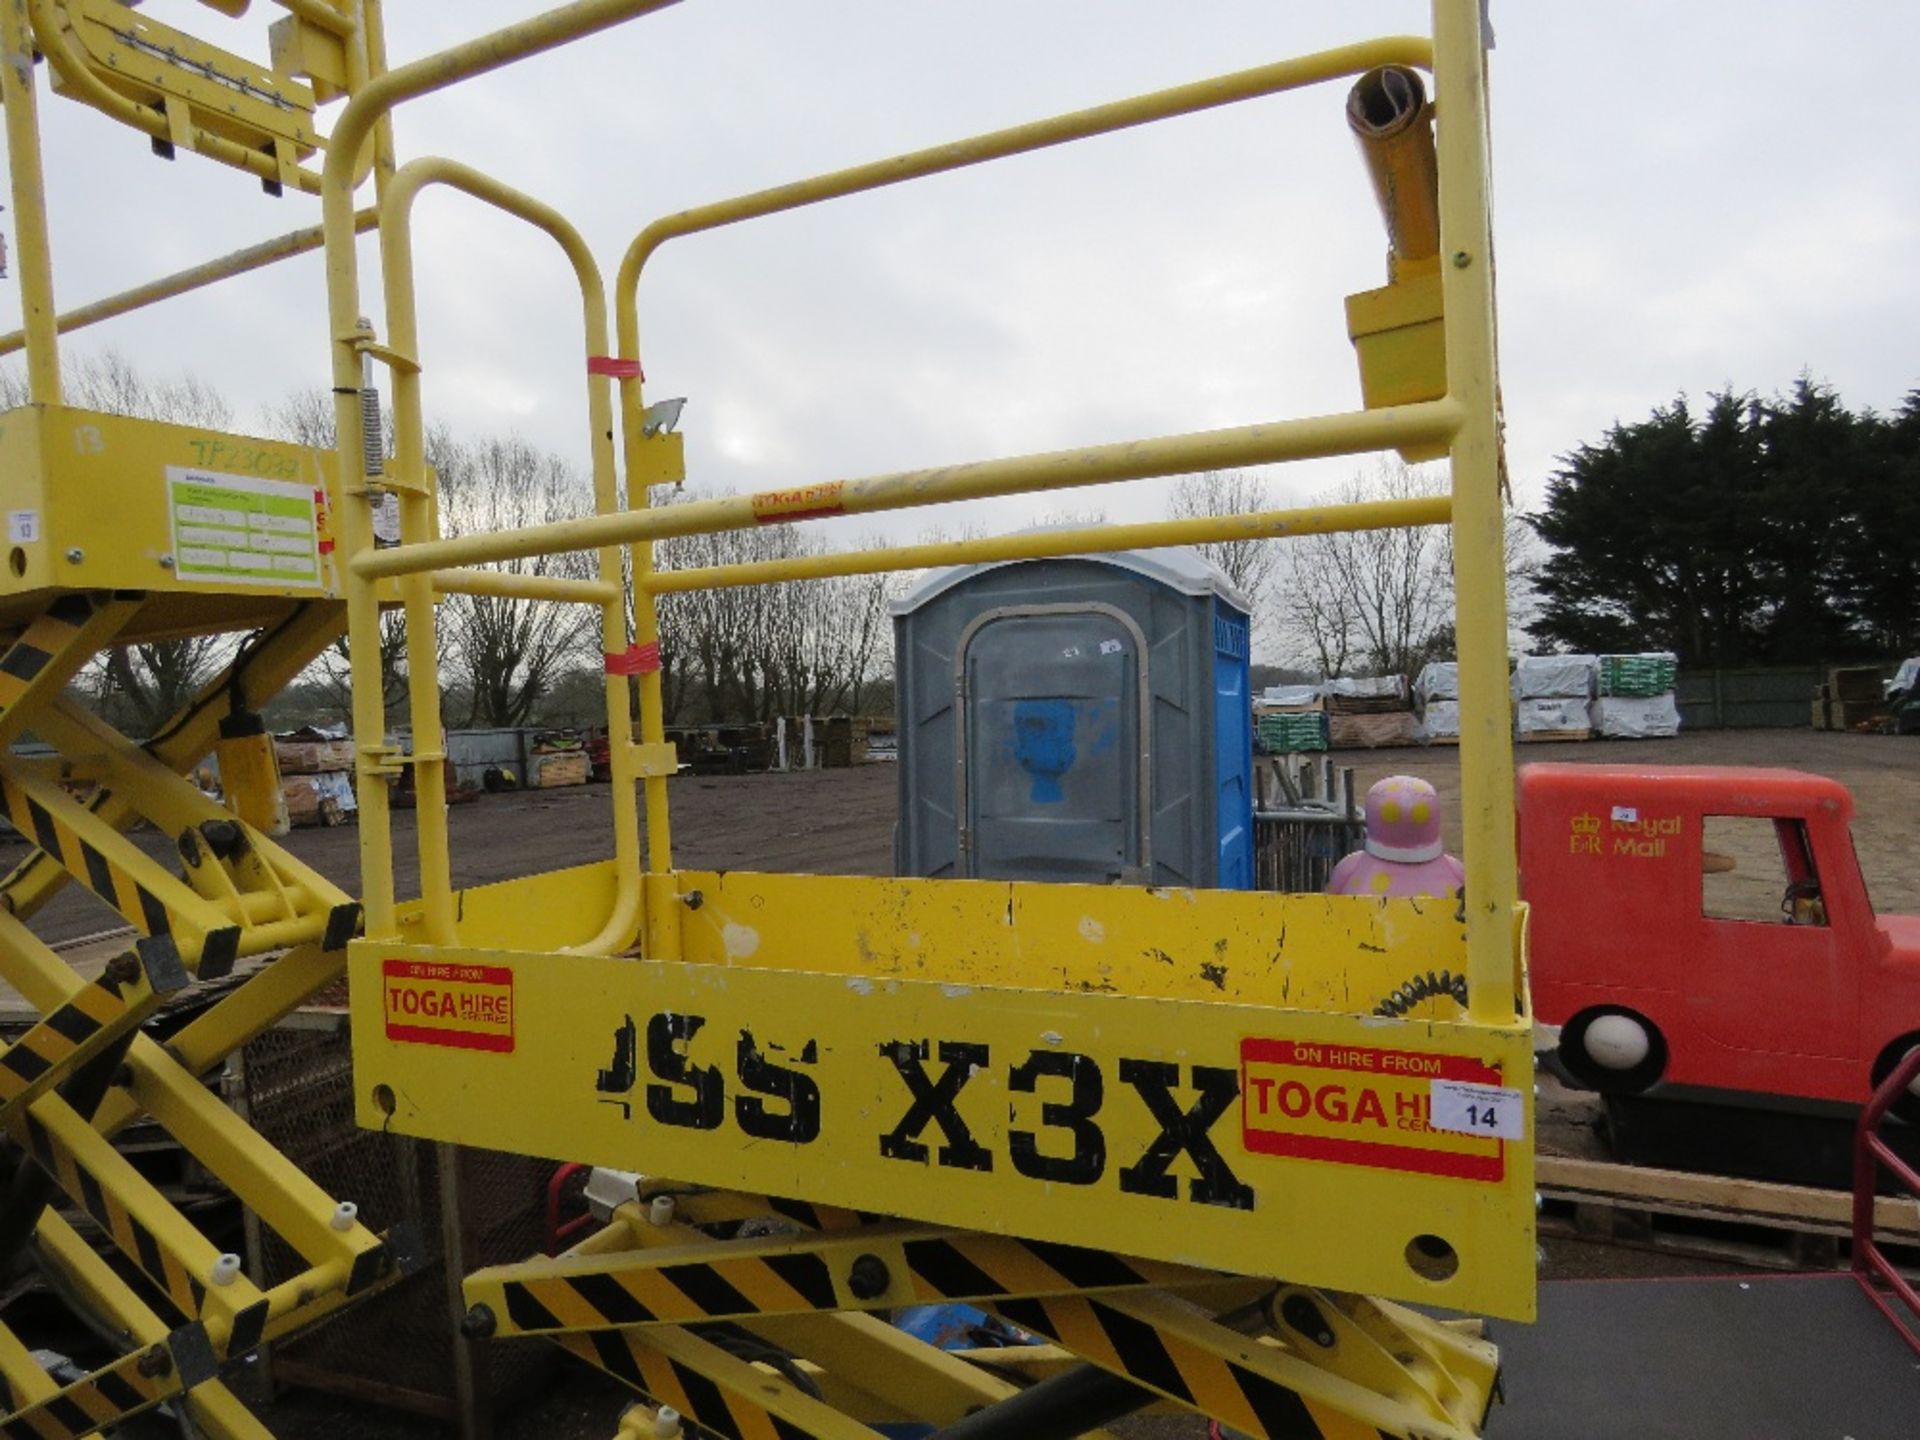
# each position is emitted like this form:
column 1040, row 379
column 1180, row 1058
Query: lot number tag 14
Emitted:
column 1491, row 1110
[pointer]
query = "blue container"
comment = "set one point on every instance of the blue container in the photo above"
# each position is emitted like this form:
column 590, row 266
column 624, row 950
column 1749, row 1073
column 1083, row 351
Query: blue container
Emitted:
column 1083, row 719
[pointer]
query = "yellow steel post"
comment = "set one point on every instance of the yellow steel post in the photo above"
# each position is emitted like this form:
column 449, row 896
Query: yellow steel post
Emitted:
column 34, row 257
column 661, row 915
column 1479, row 519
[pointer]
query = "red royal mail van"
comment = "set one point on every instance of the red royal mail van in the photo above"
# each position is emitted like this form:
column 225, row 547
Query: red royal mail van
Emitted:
column 1705, row 932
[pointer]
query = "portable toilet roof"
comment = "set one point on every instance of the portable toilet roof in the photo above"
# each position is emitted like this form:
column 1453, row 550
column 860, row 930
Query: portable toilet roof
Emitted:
column 1180, row 567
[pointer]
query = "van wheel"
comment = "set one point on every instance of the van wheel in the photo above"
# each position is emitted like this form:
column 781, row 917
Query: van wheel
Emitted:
column 1907, row 1106
column 1613, row 1050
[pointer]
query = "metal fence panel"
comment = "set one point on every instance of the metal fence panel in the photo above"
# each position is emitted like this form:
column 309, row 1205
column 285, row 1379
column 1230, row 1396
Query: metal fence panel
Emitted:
column 1747, row 699
column 473, row 752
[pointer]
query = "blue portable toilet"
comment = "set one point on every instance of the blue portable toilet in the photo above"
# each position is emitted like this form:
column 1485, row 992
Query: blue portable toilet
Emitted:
column 1083, row 719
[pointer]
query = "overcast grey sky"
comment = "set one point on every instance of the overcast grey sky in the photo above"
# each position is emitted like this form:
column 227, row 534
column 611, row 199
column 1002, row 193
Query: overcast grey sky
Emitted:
column 1687, row 195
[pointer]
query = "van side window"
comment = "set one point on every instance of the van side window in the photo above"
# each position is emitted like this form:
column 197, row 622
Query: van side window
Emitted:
column 1759, row 869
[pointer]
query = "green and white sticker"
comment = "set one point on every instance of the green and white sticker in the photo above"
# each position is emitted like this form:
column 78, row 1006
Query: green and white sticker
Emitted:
column 240, row 528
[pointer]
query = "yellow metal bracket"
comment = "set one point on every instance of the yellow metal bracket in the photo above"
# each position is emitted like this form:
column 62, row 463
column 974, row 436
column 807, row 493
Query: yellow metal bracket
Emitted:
column 380, row 761
column 385, row 354
column 109, row 56
column 658, row 757
column 657, row 460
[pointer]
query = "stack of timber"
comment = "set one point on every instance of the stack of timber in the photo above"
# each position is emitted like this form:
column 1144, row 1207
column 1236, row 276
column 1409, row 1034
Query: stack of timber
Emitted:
column 1369, row 712
column 560, row 757
column 1853, row 697
column 1711, row 1217
column 316, row 774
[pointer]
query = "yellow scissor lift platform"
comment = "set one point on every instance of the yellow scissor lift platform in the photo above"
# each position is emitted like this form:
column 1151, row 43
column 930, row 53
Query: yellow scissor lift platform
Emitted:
column 1180, row 1138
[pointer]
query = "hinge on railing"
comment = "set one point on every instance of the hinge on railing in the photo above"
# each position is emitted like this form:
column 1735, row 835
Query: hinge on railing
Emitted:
column 380, row 761
column 393, row 359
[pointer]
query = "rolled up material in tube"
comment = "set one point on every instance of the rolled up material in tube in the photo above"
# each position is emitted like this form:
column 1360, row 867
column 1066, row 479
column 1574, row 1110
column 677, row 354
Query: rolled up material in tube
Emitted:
column 1388, row 112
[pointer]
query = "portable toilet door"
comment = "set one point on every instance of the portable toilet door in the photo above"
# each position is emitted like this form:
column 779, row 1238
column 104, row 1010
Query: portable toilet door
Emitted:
column 1052, row 767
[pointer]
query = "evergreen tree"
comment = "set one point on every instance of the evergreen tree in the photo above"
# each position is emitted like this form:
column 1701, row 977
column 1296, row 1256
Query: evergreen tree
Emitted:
column 1762, row 532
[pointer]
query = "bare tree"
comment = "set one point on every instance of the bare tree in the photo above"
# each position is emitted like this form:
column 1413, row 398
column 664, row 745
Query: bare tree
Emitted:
column 505, row 652
column 306, row 418
column 1382, row 600
column 109, row 383
column 1249, row 564
column 140, row 687
column 754, row 652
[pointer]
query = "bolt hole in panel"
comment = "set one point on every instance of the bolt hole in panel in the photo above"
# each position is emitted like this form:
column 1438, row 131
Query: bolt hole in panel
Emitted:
column 1188, row 1075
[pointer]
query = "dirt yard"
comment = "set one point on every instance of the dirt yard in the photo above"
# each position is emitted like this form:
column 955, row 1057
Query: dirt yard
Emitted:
column 841, row 821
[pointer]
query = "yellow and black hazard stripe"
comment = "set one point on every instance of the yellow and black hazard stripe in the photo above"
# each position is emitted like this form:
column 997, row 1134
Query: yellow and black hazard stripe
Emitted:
column 665, row 1381
column 637, row 1290
column 133, row 987
column 136, row 1241
column 113, row 882
column 965, row 1266
column 27, row 658
column 1215, row 1384
column 110, row 1395
column 644, row 1294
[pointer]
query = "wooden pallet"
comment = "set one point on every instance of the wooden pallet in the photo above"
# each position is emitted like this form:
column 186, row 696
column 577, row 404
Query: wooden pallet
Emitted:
column 1552, row 737
column 1712, row 1217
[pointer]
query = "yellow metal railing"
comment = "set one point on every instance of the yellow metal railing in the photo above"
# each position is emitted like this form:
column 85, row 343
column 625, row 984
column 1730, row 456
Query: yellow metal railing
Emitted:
column 409, row 462
column 1463, row 421
column 1053, row 544
column 362, row 113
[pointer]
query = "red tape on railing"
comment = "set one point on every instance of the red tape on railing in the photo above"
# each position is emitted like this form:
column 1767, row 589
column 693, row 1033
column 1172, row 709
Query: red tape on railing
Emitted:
column 635, row 660
column 616, row 367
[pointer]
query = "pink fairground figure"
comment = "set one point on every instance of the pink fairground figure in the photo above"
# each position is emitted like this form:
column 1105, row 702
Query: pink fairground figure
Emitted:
column 1404, row 855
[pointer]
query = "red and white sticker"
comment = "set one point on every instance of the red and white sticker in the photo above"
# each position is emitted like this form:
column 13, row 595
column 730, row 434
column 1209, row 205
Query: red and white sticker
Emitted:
column 1360, row 1105
column 803, row 502
column 466, row 1007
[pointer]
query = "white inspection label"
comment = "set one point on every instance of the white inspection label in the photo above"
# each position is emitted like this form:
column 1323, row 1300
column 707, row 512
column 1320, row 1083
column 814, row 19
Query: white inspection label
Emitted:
column 1468, row 1109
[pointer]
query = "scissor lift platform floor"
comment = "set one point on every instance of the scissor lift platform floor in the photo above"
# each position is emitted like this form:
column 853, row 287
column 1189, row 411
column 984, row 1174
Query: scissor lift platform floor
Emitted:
column 1754, row 1357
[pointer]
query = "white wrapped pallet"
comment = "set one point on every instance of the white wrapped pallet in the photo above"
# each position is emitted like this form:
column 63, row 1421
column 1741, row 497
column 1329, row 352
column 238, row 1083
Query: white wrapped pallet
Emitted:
column 1553, row 715
column 1289, row 697
column 1366, row 687
column 1439, row 680
column 1630, row 717
column 1440, row 721
column 1555, row 677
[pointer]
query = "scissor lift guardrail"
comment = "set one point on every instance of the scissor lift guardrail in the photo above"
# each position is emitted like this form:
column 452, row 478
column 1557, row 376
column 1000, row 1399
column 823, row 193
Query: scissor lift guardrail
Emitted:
column 1159, row 1129
column 1123, row 1079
